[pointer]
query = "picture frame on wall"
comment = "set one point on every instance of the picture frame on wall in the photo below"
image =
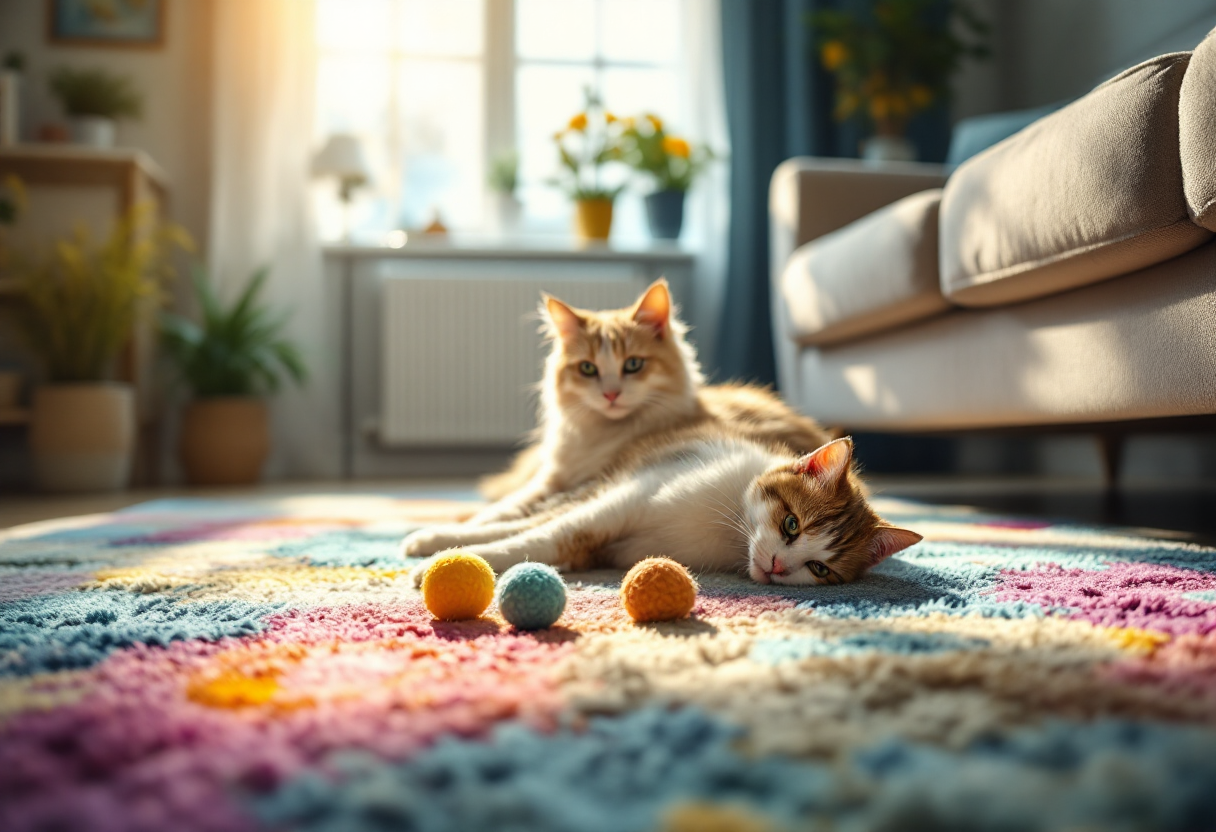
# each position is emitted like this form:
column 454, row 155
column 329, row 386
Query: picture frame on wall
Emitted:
column 129, row 24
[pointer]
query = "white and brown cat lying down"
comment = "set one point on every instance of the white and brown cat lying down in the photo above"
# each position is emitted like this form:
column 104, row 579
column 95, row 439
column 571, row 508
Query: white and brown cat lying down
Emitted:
column 708, row 498
column 637, row 457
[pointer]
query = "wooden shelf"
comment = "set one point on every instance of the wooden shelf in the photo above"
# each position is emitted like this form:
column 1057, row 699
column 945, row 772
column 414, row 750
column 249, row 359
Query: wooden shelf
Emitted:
column 14, row 416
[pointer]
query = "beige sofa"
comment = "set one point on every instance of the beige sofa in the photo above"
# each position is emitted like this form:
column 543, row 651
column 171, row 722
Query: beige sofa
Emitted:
column 1065, row 276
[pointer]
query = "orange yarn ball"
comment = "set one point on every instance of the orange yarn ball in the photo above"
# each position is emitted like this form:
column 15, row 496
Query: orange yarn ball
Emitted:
column 457, row 586
column 658, row 589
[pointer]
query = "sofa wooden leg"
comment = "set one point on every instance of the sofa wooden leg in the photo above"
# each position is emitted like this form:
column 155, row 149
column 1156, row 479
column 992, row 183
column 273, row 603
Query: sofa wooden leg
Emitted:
column 1111, row 447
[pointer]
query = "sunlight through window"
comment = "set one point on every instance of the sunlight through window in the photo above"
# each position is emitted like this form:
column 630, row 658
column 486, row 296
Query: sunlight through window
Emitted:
column 414, row 78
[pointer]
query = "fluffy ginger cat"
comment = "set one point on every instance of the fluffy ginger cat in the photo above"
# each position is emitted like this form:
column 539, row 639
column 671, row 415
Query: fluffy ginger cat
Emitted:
column 709, row 498
column 613, row 378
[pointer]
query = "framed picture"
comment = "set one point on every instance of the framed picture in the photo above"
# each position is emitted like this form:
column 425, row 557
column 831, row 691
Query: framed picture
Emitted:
column 133, row 24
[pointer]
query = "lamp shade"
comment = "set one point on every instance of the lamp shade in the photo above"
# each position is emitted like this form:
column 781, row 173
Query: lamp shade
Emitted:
column 342, row 156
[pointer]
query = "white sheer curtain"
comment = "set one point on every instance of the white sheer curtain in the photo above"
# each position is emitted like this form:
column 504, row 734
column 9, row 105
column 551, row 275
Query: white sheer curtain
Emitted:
column 708, row 208
column 263, row 97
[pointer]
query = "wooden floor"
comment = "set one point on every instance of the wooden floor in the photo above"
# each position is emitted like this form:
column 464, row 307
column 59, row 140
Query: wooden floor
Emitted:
column 1160, row 508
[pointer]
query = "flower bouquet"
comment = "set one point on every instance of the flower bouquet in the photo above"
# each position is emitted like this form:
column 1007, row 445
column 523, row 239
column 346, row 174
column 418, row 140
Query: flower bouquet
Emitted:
column 670, row 162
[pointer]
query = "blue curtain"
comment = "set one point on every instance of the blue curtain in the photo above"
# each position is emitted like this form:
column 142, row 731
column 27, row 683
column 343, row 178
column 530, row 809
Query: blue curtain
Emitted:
column 771, row 93
column 778, row 104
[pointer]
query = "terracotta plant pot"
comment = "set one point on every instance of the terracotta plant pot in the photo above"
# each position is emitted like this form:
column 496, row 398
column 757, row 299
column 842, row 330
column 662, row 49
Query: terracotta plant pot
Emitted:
column 224, row 441
column 82, row 436
column 593, row 218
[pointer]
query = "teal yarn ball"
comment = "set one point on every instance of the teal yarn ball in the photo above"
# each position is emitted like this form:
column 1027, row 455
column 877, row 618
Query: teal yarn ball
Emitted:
column 531, row 596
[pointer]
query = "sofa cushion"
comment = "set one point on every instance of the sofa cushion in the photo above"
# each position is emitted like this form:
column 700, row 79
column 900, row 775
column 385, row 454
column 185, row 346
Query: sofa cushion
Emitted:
column 1197, row 133
column 872, row 275
column 1087, row 193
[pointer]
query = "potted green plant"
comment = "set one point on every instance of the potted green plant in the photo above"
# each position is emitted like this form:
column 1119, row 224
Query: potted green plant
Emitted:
column 894, row 60
column 81, row 306
column 589, row 143
column 671, row 163
column 94, row 100
column 231, row 360
column 503, row 180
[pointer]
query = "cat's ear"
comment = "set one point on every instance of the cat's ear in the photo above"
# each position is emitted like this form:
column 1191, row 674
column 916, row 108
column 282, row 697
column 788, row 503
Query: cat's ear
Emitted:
column 888, row 540
column 654, row 307
column 565, row 321
column 829, row 462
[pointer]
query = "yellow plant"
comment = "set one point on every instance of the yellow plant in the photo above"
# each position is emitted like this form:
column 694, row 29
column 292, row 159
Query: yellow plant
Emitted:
column 894, row 58
column 83, row 302
column 590, row 141
column 671, row 162
column 12, row 204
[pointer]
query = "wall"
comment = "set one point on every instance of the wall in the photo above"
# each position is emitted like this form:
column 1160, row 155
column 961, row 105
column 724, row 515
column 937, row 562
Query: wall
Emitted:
column 1046, row 51
column 175, row 80
column 174, row 131
column 1063, row 49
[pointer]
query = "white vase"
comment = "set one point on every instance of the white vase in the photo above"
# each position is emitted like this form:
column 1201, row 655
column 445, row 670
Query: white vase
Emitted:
column 82, row 436
column 505, row 213
column 888, row 149
column 94, row 131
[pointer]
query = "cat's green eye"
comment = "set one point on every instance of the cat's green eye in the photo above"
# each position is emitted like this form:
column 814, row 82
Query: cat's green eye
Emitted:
column 818, row 569
column 790, row 525
column 587, row 368
column 633, row 364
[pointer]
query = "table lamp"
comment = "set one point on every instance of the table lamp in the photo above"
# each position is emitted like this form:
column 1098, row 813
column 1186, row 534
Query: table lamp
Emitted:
column 342, row 157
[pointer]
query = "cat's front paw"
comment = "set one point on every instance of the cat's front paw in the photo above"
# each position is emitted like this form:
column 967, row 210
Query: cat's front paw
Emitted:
column 428, row 541
column 418, row 571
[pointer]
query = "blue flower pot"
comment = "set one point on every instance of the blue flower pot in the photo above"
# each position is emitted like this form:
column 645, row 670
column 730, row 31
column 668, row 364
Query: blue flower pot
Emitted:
column 665, row 214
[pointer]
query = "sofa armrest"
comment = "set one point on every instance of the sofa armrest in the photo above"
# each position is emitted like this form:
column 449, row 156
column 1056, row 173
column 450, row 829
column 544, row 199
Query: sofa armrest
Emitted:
column 811, row 197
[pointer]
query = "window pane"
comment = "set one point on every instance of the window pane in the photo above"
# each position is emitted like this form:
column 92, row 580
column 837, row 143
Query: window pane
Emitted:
column 442, row 27
column 555, row 29
column 441, row 143
column 354, row 24
column 352, row 95
column 645, row 31
column 630, row 92
column 546, row 98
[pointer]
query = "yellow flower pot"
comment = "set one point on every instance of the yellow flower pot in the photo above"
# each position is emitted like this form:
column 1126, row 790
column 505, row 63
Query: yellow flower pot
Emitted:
column 593, row 218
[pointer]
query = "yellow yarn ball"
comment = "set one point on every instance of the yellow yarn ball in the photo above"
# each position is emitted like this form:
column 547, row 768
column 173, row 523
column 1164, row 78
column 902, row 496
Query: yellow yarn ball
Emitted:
column 457, row 586
column 658, row 589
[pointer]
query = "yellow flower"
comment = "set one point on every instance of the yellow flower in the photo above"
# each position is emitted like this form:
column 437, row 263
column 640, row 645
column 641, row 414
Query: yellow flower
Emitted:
column 579, row 122
column 880, row 107
column 676, row 147
column 833, row 54
column 847, row 104
column 920, row 96
column 629, row 122
column 609, row 117
column 655, row 121
column 17, row 188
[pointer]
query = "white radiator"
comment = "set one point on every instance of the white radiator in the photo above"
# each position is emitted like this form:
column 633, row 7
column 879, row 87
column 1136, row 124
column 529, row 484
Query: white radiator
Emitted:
column 462, row 353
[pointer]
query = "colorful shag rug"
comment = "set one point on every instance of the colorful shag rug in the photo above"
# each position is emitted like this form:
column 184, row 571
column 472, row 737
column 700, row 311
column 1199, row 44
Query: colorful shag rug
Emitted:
column 212, row 665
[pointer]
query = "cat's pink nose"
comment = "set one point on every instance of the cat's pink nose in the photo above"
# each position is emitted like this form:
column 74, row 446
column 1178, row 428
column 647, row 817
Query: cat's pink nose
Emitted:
column 612, row 397
column 778, row 567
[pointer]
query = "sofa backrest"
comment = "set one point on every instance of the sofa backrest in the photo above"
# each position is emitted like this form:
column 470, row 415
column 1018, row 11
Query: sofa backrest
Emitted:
column 1090, row 192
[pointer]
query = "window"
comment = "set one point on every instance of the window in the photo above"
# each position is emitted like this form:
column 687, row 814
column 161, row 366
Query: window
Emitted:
column 435, row 88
